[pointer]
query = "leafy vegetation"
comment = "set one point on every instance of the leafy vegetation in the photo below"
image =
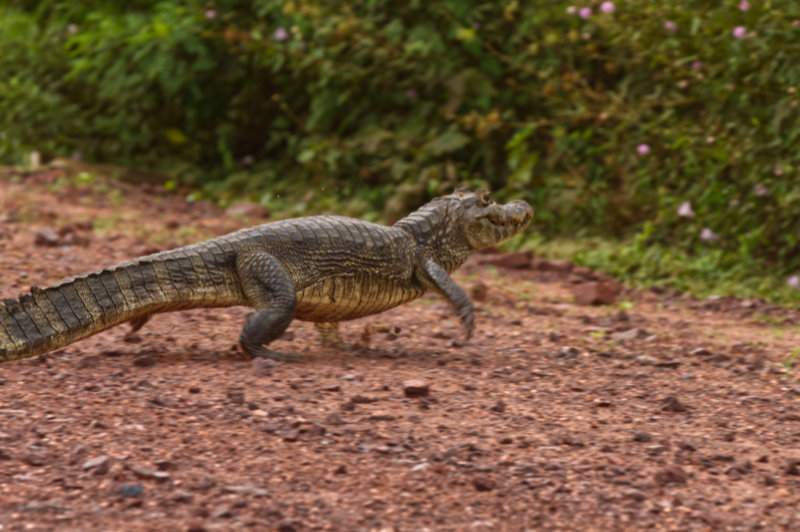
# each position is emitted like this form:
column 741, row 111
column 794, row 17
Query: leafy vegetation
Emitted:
column 674, row 124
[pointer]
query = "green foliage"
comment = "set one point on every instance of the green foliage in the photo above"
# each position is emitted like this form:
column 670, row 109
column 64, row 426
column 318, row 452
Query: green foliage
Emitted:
column 392, row 102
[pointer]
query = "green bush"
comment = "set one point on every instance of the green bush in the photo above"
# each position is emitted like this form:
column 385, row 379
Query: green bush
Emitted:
column 602, row 123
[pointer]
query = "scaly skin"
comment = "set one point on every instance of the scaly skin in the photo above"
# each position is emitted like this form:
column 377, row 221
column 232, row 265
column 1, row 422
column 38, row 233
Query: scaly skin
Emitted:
column 323, row 269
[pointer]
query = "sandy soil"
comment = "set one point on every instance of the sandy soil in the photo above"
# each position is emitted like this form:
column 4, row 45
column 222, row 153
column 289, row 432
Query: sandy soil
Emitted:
column 663, row 413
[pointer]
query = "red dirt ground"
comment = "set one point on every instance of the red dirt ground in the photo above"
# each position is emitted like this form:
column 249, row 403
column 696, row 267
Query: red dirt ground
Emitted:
column 673, row 414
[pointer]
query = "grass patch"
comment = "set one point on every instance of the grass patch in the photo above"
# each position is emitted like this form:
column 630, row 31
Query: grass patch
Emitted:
column 702, row 273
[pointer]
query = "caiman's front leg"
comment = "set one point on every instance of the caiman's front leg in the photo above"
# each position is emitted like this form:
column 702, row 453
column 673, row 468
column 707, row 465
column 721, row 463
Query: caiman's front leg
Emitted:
column 269, row 289
column 442, row 283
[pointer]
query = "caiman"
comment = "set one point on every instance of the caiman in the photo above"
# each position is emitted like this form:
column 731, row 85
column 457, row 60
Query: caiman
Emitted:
column 323, row 269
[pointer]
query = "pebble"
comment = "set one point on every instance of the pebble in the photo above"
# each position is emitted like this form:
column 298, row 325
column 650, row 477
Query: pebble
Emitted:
column 261, row 366
column 673, row 474
column 642, row 437
column 100, row 464
column 594, row 293
column 416, row 388
column 499, row 407
column 149, row 473
column 629, row 334
column 131, row 490
column 519, row 260
column 47, row 237
column 672, row 404
column 484, row 483
column 144, row 361
column 792, row 467
column 558, row 266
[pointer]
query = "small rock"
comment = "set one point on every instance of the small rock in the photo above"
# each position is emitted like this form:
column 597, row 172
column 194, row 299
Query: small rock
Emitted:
column 100, row 464
column 630, row 334
column 792, row 467
column 498, row 407
column 416, row 388
column 672, row 404
column 291, row 435
column 236, row 397
column 341, row 470
column 656, row 449
column 483, row 483
column 75, row 239
column 363, row 399
column 519, row 260
column 642, row 437
column 261, row 366
column 700, row 352
column 647, row 360
column 568, row 352
column 181, row 496
column 152, row 474
column 673, row 474
column 634, row 494
column 594, row 293
column 47, row 237
column 131, row 490
column 288, row 525
column 35, row 459
column 558, row 266
column 245, row 208
column 223, row 511
column 165, row 465
column 144, row 361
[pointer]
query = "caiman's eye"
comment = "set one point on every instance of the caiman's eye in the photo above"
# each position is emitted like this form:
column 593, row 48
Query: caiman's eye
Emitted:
column 485, row 199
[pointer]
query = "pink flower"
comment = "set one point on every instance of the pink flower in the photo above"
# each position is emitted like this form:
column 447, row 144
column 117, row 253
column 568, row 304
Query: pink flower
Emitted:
column 685, row 210
column 670, row 26
column 744, row 5
column 794, row 282
column 571, row 10
column 697, row 65
column 72, row 28
column 739, row 32
column 411, row 94
column 643, row 149
column 607, row 7
column 708, row 235
column 211, row 14
column 280, row 34
column 777, row 170
column 585, row 12
column 760, row 190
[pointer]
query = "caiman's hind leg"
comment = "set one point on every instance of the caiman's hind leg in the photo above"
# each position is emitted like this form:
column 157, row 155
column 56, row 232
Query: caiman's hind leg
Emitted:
column 329, row 332
column 269, row 289
column 138, row 323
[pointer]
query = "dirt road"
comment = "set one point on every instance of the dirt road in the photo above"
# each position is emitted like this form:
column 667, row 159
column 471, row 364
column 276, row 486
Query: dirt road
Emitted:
column 656, row 412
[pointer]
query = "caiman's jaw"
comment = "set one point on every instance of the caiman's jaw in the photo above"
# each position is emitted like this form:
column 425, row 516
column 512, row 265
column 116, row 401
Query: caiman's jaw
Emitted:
column 486, row 223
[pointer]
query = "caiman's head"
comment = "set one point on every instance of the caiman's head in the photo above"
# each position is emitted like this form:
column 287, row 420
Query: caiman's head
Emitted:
column 483, row 222
column 454, row 225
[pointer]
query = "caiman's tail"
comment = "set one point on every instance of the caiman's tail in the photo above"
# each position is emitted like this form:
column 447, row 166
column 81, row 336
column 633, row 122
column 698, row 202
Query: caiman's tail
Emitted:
column 78, row 307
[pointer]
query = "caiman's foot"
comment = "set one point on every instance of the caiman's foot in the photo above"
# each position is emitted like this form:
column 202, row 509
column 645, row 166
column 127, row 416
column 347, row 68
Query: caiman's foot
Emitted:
column 329, row 335
column 263, row 352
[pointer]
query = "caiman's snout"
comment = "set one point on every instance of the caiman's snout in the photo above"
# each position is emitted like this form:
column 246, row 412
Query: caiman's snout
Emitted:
column 519, row 212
